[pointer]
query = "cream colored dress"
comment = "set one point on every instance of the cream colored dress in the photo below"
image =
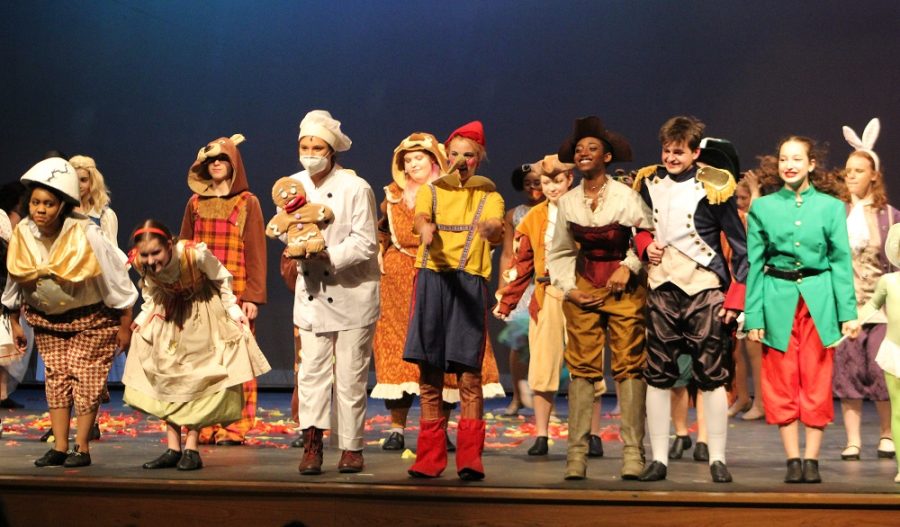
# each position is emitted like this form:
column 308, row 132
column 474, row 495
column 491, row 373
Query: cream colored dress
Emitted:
column 190, row 353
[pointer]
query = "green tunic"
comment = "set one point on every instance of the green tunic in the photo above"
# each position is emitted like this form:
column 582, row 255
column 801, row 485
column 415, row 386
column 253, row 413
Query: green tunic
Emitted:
column 787, row 234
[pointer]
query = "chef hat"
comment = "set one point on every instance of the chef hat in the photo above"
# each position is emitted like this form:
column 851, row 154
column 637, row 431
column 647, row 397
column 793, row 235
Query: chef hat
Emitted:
column 319, row 123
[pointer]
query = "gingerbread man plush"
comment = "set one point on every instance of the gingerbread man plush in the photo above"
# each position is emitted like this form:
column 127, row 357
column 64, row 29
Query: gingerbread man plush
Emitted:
column 298, row 219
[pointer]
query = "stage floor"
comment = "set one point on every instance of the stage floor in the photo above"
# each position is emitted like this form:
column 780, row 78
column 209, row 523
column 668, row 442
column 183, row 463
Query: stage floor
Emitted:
column 267, row 463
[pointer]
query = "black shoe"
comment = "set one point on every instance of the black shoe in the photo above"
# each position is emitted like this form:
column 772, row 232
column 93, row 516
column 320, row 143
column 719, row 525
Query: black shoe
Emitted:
column 95, row 432
column 52, row 458
column 655, row 471
column 719, row 471
column 228, row 442
column 47, row 435
column 168, row 459
column 794, row 471
column 190, row 460
column 595, row 446
column 539, row 448
column 10, row 404
column 678, row 447
column 701, row 452
column 77, row 459
column 450, row 446
column 811, row 471
column 298, row 442
column 394, row 441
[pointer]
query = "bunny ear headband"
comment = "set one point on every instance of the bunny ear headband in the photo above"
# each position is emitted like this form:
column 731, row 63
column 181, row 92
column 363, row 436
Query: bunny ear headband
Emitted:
column 867, row 143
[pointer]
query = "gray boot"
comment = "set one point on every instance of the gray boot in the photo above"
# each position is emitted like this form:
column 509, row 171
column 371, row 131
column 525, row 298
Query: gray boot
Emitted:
column 632, row 394
column 581, row 400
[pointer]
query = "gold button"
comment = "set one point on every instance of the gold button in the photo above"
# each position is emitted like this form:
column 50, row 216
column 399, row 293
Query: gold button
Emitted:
column 689, row 215
column 797, row 223
column 688, row 225
column 797, row 264
column 800, row 280
column 697, row 242
column 797, row 244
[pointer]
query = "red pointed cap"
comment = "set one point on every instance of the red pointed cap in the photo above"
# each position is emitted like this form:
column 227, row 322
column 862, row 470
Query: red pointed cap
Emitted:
column 473, row 131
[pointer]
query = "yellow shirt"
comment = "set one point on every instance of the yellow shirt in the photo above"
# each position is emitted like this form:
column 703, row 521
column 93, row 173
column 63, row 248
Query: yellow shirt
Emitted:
column 453, row 208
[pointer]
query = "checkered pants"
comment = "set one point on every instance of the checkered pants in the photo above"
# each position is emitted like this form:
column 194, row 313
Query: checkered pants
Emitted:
column 77, row 348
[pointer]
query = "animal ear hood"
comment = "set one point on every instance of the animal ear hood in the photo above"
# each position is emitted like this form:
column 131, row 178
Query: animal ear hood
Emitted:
column 198, row 175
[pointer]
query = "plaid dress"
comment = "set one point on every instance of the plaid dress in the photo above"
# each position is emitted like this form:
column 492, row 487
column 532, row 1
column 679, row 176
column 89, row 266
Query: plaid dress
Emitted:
column 224, row 237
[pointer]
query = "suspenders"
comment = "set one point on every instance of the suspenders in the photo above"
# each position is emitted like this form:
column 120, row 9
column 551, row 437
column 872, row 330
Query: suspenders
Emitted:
column 470, row 228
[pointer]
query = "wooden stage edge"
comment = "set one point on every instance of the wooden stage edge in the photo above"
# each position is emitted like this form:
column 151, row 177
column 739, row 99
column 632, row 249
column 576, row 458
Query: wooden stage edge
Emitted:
column 128, row 501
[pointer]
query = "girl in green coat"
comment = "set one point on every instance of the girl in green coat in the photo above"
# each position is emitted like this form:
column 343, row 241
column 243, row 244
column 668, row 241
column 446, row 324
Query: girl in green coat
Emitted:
column 800, row 299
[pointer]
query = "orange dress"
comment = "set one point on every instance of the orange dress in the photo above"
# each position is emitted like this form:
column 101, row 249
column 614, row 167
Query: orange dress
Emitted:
column 395, row 376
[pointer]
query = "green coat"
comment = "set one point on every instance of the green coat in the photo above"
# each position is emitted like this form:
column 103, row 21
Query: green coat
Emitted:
column 811, row 235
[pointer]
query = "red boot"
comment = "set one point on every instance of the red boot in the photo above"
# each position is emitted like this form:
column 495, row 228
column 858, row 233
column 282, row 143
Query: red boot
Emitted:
column 469, row 446
column 431, row 450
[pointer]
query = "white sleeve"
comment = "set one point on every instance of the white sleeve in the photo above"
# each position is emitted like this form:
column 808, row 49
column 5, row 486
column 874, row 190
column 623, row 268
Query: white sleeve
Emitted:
column 563, row 252
column 12, row 294
column 109, row 224
column 5, row 226
column 115, row 285
column 362, row 242
column 147, row 294
column 213, row 269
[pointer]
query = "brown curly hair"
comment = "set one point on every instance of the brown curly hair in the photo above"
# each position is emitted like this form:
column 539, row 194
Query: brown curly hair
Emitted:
column 879, row 191
column 824, row 180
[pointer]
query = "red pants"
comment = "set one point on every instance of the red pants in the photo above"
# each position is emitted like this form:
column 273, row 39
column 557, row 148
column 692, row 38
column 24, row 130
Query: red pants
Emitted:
column 796, row 384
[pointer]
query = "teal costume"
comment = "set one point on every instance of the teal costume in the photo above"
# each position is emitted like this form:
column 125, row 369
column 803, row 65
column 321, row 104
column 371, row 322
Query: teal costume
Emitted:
column 807, row 236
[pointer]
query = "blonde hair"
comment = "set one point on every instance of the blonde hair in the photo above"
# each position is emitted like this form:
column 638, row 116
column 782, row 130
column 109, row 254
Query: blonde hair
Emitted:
column 98, row 197
column 480, row 151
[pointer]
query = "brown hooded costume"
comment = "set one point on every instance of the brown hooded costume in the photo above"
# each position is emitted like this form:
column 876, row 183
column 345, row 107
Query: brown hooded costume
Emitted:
column 233, row 229
column 242, row 249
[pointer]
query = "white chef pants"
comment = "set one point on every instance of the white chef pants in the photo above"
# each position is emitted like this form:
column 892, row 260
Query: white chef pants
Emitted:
column 335, row 362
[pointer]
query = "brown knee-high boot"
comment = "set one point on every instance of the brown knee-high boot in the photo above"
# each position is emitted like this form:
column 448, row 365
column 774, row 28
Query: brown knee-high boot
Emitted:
column 470, row 434
column 581, row 400
column 632, row 395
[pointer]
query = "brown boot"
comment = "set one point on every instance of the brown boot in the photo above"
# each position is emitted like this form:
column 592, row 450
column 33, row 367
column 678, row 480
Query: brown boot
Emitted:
column 632, row 395
column 581, row 401
column 311, row 464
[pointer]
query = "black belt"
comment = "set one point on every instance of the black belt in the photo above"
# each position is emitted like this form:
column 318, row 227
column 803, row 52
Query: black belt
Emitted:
column 542, row 280
column 790, row 275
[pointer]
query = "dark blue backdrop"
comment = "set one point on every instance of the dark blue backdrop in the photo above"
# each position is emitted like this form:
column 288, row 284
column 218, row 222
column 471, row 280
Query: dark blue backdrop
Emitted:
column 140, row 86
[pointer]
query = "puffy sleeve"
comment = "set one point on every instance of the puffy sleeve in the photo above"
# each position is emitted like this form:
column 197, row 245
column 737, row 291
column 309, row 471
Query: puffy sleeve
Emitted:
column 215, row 272
column 563, row 251
column 114, row 283
column 148, row 294
column 109, row 225
column 5, row 226
column 12, row 294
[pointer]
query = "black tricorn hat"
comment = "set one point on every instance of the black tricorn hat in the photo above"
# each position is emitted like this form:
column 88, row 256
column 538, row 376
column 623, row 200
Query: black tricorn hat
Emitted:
column 720, row 153
column 593, row 127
